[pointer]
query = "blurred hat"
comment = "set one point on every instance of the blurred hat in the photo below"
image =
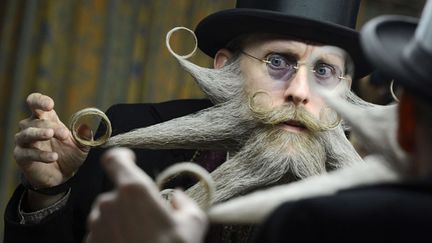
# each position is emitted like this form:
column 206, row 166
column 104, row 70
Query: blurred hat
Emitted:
column 401, row 47
column 330, row 22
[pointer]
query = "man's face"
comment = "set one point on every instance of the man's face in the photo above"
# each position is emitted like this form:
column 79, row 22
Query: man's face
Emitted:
column 284, row 84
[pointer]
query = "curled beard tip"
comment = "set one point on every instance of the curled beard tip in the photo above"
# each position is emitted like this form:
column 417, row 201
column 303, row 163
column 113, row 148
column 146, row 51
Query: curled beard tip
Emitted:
column 168, row 38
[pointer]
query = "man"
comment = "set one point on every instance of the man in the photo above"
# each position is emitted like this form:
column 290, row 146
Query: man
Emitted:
column 396, row 212
column 265, row 115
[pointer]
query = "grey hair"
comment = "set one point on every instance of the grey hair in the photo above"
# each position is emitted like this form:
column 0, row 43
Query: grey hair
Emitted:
column 265, row 155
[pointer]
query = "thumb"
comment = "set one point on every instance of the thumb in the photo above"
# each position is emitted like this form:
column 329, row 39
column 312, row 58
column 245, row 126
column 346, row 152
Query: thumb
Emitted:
column 119, row 163
column 186, row 208
column 85, row 132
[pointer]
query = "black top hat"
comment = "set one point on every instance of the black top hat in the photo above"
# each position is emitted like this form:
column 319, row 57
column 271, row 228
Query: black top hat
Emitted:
column 329, row 22
column 402, row 51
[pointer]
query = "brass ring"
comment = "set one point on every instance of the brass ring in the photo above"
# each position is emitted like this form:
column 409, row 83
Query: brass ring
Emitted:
column 392, row 92
column 86, row 112
column 194, row 169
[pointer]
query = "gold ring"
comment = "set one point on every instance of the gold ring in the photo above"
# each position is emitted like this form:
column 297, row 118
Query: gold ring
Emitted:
column 87, row 112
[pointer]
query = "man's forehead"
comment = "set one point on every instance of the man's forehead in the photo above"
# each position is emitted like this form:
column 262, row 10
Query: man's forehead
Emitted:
column 293, row 45
column 299, row 46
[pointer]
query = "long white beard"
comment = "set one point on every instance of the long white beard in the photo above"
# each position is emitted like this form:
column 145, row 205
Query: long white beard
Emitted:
column 226, row 125
column 268, row 156
column 264, row 155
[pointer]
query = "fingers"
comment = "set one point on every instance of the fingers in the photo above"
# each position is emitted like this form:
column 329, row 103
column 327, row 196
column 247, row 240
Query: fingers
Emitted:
column 129, row 179
column 39, row 104
column 84, row 131
column 62, row 133
column 43, row 115
column 33, row 134
column 31, row 122
column 25, row 155
column 135, row 206
column 41, row 127
column 102, row 201
column 119, row 163
column 186, row 206
column 100, row 219
column 181, row 201
column 191, row 220
column 25, row 152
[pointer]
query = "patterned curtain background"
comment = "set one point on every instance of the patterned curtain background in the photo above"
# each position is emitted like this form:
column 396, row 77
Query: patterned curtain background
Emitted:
column 97, row 53
column 86, row 53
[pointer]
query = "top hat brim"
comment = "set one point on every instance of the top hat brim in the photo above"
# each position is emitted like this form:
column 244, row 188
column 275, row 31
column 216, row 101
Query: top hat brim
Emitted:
column 217, row 30
column 384, row 39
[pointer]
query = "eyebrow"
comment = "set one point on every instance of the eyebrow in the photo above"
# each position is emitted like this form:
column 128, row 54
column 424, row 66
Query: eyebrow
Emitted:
column 327, row 59
column 287, row 54
column 292, row 51
column 289, row 51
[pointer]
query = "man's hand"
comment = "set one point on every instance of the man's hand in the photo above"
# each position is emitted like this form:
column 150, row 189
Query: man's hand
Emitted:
column 45, row 150
column 135, row 211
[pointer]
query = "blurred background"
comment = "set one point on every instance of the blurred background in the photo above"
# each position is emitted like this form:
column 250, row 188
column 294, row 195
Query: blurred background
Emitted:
column 97, row 53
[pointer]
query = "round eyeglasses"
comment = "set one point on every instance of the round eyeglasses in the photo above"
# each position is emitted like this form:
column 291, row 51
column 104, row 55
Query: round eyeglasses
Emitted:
column 281, row 67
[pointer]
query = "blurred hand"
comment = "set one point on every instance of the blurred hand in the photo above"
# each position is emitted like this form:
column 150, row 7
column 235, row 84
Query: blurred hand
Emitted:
column 135, row 211
column 45, row 150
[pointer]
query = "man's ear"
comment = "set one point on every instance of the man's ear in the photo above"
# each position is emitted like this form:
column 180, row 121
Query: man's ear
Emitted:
column 407, row 123
column 221, row 58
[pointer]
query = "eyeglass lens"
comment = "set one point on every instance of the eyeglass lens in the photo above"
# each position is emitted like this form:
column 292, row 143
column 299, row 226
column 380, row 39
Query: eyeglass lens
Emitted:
column 283, row 68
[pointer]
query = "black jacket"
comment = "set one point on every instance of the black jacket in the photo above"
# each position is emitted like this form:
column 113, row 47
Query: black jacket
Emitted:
column 380, row 213
column 68, row 224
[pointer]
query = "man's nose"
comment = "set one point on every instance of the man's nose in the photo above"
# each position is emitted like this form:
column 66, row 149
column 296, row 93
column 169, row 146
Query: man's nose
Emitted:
column 298, row 90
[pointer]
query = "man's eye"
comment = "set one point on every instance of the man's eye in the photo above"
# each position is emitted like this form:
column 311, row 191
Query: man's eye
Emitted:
column 277, row 61
column 280, row 67
column 324, row 70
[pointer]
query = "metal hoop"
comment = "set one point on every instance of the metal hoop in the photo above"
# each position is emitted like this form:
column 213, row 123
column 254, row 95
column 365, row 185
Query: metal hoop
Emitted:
column 88, row 112
column 194, row 169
